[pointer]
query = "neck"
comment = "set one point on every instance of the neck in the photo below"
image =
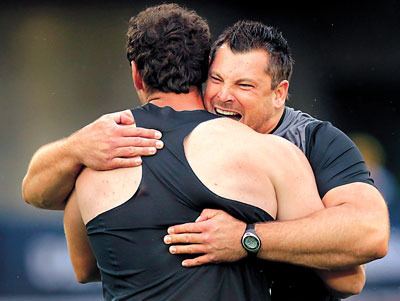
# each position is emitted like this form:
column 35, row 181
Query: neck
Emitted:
column 179, row 102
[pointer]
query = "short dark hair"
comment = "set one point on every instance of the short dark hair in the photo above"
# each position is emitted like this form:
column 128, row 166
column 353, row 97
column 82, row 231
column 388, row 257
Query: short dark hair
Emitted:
column 245, row 36
column 170, row 46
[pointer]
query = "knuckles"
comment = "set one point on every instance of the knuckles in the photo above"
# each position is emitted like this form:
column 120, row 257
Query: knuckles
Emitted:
column 132, row 151
column 206, row 238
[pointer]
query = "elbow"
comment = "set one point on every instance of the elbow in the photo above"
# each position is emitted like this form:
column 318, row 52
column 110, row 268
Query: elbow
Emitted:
column 375, row 249
column 377, row 228
column 82, row 278
column 357, row 286
column 32, row 200
column 25, row 193
column 353, row 286
column 373, row 237
column 383, row 242
column 87, row 275
column 381, row 249
column 36, row 198
column 378, row 244
column 29, row 196
column 85, row 271
column 351, row 291
column 357, row 289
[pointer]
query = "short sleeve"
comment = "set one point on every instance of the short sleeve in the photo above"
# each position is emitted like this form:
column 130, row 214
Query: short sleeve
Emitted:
column 334, row 157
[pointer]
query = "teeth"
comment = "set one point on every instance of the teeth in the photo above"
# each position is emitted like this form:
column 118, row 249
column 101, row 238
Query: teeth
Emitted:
column 222, row 112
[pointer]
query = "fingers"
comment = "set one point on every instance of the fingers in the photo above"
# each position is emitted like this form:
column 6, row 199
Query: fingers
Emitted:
column 131, row 152
column 125, row 162
column 140, row 142
column 204, row 259
column 183, row 239
column 131, row 131
column 186, row 228
column 129, row 147
column 188, row 249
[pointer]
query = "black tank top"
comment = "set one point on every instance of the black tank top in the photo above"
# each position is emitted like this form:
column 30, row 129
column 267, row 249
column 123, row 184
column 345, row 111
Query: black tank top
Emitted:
column 128, row 240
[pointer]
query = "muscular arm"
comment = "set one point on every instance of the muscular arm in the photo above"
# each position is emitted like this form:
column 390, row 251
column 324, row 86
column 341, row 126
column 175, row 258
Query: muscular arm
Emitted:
column 80, row 252
column 348, row 232
column 112, row 141
column 354, row 227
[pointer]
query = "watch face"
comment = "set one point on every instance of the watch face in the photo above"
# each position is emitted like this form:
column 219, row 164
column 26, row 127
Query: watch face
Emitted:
column 251, row 243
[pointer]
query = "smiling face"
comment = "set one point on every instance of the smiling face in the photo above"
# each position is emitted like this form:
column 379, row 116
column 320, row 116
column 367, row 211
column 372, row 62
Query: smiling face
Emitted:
column 239, row 87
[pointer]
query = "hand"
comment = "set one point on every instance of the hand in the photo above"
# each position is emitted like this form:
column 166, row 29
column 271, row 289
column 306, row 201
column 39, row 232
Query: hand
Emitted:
column 114, row 141
column 215, row 234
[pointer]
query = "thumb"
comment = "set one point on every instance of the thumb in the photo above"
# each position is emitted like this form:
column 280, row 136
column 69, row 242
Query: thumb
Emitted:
column 123, row 117
column 127, row 118
column 207, row 214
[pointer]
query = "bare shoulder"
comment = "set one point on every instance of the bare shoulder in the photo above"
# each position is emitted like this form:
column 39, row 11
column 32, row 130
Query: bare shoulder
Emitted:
column 229, row 133
column 222, row 132
column 92, row 181
column 106, row 178
column 224, row 125
column 99, row 191
column 281, row 147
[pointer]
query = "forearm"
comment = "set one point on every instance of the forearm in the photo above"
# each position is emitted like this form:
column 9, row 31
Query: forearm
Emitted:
column 335, row 237
column 344, row 283
column 51, row 175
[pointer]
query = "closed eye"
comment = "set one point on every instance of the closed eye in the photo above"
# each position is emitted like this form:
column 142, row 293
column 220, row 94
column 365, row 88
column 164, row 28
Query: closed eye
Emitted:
column 246, row 86
column 215, row 79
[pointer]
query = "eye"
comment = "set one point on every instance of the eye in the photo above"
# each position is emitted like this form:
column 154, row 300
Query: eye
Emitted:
column 246, row 86
column 215, row 79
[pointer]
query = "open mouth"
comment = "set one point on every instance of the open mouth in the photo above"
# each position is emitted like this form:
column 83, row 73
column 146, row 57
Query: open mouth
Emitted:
column 229, row 114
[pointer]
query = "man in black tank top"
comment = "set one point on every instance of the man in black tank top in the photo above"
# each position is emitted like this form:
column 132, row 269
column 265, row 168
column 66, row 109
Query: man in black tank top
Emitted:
column 126, row 212
column 168, row 49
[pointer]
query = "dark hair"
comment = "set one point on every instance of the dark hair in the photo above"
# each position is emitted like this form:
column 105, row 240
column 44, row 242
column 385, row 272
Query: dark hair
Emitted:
column 170, row 46
column 245, row 36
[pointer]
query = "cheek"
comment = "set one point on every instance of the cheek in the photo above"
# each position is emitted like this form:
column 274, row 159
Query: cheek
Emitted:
column 209, row 94
column 207, row 104
column 210, row 90
column 252, row 109
column 207, row 100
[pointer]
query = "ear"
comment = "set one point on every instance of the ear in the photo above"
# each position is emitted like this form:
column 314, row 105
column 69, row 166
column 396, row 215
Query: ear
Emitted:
column 136, row 77
column 281, row 93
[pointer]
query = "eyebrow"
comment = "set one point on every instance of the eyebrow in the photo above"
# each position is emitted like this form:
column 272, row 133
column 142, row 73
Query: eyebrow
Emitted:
column 244, row 79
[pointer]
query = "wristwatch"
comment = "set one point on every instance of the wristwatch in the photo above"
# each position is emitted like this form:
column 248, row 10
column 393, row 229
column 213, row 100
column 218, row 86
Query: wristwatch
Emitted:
column 250, row 240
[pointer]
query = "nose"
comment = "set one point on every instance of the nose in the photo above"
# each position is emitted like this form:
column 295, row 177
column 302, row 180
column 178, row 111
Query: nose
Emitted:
column 224, row 94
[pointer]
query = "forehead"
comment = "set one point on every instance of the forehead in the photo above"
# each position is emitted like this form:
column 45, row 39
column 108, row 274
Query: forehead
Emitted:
column 251, row 64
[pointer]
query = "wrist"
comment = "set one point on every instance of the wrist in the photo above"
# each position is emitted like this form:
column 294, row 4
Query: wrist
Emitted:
column 71, row 152
column 251, row 242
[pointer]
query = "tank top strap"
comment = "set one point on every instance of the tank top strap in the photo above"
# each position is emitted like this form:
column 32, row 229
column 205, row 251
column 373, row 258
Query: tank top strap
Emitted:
column 169, row 166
